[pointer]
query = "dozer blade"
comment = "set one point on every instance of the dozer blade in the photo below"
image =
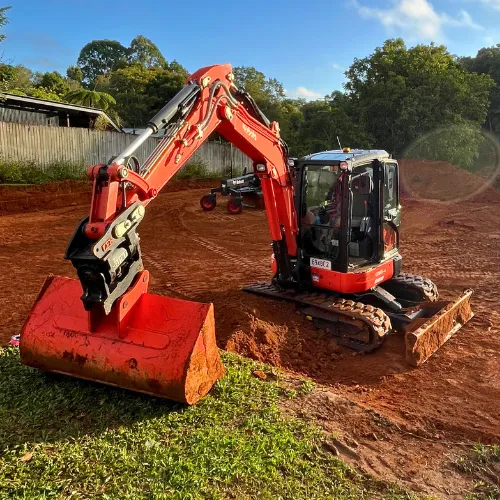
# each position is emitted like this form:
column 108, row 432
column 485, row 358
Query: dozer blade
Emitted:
column 164, row 346
column 433, row 325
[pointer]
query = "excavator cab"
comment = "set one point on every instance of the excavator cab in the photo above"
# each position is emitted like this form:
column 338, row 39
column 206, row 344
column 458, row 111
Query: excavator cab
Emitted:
column 341, row 198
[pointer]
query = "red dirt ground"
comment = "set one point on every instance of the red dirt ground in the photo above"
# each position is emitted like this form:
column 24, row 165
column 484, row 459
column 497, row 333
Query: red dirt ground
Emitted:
column 208, row 256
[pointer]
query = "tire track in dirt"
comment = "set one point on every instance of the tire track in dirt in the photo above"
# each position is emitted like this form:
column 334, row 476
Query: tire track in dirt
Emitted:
column 191, row 247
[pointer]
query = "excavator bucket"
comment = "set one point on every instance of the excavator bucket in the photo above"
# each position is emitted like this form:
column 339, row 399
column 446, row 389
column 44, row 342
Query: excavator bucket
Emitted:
column 433, row 325
column 163, row 346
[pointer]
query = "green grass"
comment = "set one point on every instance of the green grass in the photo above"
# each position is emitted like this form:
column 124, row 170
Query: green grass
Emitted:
column 482, row 462
column 196, row 170
column 25, row 173
column 12, row 172
column 64, row 438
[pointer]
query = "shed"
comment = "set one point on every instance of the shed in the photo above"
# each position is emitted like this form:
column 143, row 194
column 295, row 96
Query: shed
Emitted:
column 33, row 111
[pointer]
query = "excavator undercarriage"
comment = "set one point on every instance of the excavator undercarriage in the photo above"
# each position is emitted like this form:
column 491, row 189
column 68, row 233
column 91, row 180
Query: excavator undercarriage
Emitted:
column 426, row 324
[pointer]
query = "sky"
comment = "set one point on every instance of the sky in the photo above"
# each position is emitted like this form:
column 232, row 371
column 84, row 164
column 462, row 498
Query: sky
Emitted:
column 307, row 45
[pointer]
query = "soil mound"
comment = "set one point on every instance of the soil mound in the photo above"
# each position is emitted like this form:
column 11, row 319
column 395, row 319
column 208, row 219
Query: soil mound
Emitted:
column 438, row 180
column 272, row 332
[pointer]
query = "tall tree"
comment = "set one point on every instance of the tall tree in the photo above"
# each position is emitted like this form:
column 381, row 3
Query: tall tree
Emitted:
column 487, row 62
column 398, row 94
column 3, row 20
column 145, row 53
column 100, row 57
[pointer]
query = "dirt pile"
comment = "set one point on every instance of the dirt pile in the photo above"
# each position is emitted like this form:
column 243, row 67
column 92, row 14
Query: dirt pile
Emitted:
column 438, row 180
column 273, row 332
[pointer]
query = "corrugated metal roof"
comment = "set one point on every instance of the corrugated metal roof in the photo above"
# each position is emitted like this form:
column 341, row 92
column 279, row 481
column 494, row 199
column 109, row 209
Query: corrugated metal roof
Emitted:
column 41, row 105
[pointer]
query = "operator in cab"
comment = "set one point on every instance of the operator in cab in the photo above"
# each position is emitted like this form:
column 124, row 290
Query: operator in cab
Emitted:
column 328, row 213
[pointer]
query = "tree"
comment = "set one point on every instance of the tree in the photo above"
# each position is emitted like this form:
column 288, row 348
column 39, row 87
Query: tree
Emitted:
column 100, row 57
column 326, row 120
column 267, row 92
column 53, row 82
column 3, row 20
column 487, row 62
column 91, row 98
column 75, row 74
column 17, row 78
column 128, row 86
column 176, row 67
column 162, row 87
column 145, row 53
column 458, row 144
column 398, row 94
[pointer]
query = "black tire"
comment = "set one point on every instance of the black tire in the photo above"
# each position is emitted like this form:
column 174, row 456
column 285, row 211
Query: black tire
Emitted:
column 208, row 202
column 234, row 207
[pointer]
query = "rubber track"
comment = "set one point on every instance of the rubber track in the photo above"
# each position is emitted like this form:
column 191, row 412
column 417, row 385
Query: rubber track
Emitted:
column 377, row 322
column 420, row 283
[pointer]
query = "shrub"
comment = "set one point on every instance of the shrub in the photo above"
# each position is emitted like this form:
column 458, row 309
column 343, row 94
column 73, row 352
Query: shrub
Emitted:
column 196, row 170
column 12, row 172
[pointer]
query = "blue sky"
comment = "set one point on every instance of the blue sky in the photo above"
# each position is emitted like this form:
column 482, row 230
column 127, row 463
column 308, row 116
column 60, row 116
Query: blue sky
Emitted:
column 305, row 44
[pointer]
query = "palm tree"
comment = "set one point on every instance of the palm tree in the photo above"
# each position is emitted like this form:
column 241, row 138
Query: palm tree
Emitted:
column 92, row 98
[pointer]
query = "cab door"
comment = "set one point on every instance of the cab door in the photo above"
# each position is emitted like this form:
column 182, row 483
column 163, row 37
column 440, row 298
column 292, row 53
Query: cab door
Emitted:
column 391, row 208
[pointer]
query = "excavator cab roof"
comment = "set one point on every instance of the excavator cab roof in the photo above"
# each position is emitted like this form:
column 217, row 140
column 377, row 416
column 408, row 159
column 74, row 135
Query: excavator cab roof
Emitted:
column 339, row 155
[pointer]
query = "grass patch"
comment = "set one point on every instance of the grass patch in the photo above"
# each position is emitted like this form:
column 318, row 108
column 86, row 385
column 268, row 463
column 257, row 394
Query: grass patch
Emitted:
column 482, row 457
column 27, row 173
column 483, row 462
column 196, row 170
column 30, row 173
column 64, row 438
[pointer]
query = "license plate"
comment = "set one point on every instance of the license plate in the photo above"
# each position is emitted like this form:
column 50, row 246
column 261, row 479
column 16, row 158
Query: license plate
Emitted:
column 321, row 263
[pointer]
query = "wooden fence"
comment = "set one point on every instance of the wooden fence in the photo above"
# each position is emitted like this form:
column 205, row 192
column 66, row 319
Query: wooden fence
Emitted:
column 44, row 145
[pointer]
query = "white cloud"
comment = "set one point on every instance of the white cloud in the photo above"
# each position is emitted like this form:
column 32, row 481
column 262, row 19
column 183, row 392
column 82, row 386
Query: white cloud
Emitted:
column 494, row 4
column 417, row 18
column 303, row 93
column 463, row 19
column 338, row 67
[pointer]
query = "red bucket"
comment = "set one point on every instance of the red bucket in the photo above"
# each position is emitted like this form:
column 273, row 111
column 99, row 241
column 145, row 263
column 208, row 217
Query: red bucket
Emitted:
column 162, row 346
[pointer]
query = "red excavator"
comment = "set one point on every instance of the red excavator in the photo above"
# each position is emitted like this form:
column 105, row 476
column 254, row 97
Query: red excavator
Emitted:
column 334, row 222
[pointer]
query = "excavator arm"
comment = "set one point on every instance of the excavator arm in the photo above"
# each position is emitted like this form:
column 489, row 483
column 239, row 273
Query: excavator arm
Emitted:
column 105, row 248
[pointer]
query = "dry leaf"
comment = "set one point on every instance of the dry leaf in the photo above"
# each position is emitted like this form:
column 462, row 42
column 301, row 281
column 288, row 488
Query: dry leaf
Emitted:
column 27, row 457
